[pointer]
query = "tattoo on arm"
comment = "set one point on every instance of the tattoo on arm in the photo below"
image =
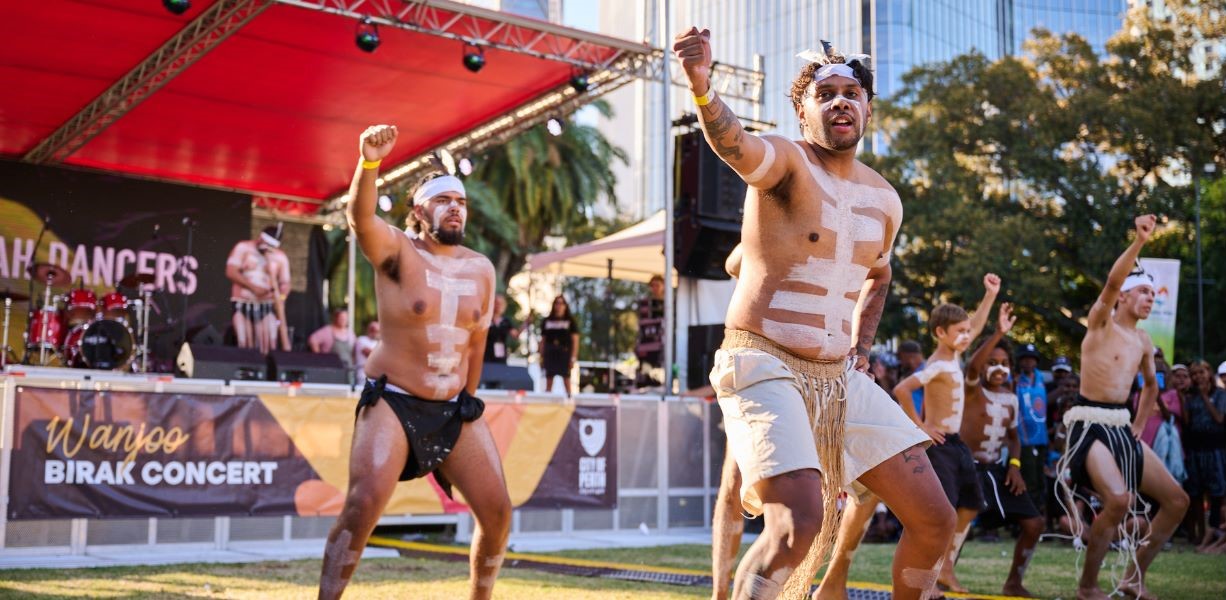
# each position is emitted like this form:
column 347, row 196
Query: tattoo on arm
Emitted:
column 724, row 131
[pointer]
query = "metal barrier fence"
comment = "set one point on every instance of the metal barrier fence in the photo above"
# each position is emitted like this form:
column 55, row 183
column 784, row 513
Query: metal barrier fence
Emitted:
column 667, row 478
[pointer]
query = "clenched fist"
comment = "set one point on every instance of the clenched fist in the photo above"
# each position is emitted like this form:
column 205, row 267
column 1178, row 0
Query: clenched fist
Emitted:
column 991, row 283
column 1145, row 227
column 693, row 49
column 377, row 142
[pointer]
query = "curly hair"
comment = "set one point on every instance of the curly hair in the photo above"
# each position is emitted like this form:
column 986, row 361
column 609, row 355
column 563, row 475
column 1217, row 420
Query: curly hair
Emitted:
column 800, row 85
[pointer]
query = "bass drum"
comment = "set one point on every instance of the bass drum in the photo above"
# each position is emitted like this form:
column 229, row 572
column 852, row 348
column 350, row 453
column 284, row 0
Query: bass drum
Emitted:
column 101, row 344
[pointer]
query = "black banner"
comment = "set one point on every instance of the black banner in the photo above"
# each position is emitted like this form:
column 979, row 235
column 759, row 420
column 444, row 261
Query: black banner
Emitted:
column 583, row 470
column 100, row 228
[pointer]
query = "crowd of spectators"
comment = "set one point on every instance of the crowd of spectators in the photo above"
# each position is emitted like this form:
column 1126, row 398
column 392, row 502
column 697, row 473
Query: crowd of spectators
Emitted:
column 1187, row 431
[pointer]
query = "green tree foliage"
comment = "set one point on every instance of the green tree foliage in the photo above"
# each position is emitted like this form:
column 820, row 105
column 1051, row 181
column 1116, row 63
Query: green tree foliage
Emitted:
column 1034, row 167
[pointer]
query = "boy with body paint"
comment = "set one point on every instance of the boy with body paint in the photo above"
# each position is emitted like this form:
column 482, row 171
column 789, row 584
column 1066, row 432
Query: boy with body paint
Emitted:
column 944, row 400
column 803, row 420
column 1103, row 451
column 989, row 425
column 417, row 414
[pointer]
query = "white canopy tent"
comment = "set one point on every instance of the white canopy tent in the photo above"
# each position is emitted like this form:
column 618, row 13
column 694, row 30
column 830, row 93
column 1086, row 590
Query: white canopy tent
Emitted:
column 637, row 253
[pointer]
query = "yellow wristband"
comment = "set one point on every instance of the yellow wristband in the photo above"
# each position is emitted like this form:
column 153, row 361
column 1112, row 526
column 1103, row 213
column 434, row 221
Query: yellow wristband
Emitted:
column 1013, row 462
column 371, row 164
column 706, row 98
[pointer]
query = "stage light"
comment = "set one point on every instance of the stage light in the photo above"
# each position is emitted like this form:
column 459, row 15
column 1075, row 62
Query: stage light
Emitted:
column 579, row 82
column 466, row 166
column 554, row 126
column 367, row 36
column 177, row 7
column 385, row 203
column 474, row 57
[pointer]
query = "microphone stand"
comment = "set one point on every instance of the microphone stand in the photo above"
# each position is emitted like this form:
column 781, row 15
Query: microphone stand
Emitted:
column 25, row 356
column 191, row 228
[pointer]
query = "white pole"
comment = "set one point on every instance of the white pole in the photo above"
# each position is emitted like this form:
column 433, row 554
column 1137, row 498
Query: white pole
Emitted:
column 666, row 185
column 351, row 283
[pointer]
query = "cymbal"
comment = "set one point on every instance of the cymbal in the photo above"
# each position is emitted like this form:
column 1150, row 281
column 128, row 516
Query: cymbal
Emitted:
column 14, row 296
column 49, row 274
column 137, row 279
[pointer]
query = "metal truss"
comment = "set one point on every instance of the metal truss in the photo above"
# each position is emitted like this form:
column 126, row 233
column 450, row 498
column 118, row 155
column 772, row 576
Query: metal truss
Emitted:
column 606, row 71
column 513, row 33
column 178, row 53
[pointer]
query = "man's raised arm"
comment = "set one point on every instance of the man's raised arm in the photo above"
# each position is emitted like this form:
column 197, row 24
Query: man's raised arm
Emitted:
column 375, row 236
column 755, row 159
column 1101, row 311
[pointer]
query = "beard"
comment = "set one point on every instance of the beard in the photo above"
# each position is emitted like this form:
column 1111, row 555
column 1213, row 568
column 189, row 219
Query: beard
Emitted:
column 826, row 139
column 448, row 237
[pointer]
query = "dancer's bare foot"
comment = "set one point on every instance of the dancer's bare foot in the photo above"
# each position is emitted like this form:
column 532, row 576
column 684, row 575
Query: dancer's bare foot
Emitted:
column 1016, row 589
column 1094, row 593
column 1136, row 589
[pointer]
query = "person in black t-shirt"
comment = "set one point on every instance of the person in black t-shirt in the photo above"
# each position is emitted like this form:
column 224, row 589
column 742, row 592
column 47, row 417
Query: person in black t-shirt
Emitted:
column 650, row 344
column 559, row 344
column 502, row 330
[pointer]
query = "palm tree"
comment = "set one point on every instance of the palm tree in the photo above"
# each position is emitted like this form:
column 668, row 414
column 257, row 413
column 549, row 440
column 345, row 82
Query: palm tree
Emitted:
column 534, row 185
column 544, row 184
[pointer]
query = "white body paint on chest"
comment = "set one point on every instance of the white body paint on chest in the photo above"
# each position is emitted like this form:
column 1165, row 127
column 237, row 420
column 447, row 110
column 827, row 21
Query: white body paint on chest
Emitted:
column 451, row 339
column 998, row 411
column 838, row 276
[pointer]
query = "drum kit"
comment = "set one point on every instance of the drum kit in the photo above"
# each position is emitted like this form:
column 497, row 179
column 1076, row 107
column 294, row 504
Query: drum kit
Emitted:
column 77, row 329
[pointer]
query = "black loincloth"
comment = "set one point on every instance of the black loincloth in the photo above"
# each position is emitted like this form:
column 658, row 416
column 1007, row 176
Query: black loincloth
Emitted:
column 432, row 426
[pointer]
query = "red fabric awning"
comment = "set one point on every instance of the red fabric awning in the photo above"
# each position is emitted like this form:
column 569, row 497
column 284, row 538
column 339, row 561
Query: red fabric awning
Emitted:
column 275, row 109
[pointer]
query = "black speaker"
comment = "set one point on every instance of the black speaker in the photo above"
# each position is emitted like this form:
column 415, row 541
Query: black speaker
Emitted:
column 710, row 198
column 704, row 341
column 716, row 191
column 307, row 367
column 496, row 376
column 200, row 361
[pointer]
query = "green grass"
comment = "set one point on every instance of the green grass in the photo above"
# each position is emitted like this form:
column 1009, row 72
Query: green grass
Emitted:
column 1177, row 574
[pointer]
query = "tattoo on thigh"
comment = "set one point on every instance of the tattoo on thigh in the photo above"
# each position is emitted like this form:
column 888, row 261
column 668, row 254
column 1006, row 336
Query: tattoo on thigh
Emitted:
column 915, row 454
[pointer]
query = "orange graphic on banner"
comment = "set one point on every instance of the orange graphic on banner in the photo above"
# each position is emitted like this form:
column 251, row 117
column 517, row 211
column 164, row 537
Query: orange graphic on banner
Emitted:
column 322, row 429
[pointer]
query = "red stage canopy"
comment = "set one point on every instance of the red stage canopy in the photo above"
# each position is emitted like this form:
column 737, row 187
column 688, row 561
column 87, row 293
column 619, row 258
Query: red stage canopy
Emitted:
column 275, row 108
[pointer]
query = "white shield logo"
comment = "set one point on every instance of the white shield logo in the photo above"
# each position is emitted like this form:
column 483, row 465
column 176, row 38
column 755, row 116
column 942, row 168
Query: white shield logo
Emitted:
column 592, row 434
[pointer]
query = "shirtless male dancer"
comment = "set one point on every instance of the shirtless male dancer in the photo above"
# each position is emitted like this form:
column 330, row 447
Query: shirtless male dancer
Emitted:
column 1103, row 449
column 944, row 402
column 989, row 424
column 258, row 270
column 803, row 420
column 727, row 525
column 417, row 414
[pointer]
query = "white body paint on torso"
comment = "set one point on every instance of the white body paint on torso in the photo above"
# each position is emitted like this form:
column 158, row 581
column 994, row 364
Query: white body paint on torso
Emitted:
column 453, row 278
column 838, row 276
column 1000, row 408
column 951, row 422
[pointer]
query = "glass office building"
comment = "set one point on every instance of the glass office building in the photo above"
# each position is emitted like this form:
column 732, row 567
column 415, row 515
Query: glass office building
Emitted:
column 899, row 34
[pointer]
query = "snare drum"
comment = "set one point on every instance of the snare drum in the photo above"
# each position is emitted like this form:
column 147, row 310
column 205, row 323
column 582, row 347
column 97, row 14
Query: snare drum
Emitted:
column 115, row 306
column 82, row 306
column 101, row 344
column 53, row 336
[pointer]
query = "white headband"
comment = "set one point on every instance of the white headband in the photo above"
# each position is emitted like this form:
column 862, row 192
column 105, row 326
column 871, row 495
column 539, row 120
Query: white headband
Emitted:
column 1137, row 280
column 833, row 70
column 269, row 240
column 436, row 186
